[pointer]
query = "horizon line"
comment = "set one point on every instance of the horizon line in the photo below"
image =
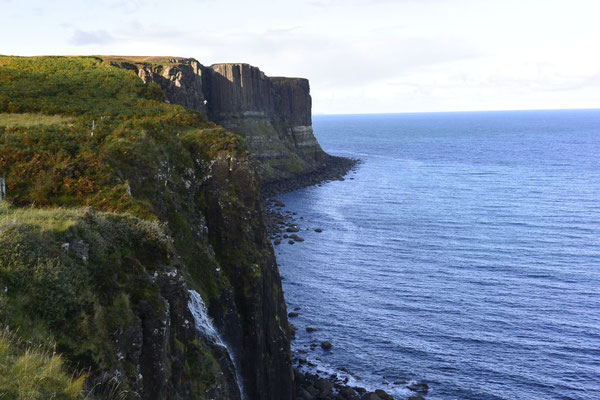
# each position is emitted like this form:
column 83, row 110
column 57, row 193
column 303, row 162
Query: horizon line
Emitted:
column 460, row 111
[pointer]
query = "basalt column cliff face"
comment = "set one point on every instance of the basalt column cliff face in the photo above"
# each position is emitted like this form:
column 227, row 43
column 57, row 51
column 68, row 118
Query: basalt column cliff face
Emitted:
column 272, row 113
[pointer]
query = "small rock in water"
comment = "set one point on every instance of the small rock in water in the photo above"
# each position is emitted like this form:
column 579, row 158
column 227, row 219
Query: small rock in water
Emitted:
column 285, row 236
column 310, row 329
column 293, row 314
column 416, row 398
column 292, row 228
column 297, row 308
column 296, row 238
column 318, row 230
column 291, row 242
column 277, row 241
column 421, row 387
column 326, row 345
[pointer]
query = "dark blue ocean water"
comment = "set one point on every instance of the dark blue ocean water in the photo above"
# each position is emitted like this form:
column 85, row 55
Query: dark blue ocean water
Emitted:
column 465, row 253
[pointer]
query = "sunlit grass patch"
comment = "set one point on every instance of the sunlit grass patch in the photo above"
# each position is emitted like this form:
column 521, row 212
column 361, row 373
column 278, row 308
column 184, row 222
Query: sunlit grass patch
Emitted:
column 33, row 373
column 31, row 119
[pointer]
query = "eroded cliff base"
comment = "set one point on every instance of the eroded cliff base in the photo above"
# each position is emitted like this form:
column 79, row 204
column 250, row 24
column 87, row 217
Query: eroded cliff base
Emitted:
column 333, row 168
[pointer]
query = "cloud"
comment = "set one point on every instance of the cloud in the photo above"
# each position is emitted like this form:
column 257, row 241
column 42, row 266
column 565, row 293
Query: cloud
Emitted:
column 86, row 38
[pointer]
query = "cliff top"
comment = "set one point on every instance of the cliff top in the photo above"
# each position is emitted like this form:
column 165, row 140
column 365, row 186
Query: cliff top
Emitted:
column 147, row 59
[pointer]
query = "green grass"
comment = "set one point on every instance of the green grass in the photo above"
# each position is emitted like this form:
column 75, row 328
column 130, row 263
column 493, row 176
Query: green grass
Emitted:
column 74, row 86
column 33, row 373
column 119, row 132
column 31, row 119
column 52, row 294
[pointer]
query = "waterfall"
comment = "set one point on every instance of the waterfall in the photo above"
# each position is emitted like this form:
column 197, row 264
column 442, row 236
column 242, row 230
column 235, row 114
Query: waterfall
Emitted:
column 206, row 328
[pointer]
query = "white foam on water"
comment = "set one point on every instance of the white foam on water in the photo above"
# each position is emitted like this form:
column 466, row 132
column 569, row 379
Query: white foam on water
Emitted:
column 206, row 328
column 324, row 370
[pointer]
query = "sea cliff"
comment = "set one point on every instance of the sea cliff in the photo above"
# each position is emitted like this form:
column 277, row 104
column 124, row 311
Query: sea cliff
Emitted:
column 273, row 114
column 120, row 204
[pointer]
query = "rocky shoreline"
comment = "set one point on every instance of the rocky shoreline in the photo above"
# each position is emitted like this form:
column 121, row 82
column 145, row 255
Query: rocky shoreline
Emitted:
column 283, row 228
column 334, row 168
column 277, row 222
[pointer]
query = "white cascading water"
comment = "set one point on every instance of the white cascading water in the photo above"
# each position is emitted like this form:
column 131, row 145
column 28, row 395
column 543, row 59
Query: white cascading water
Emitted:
column 206, row 328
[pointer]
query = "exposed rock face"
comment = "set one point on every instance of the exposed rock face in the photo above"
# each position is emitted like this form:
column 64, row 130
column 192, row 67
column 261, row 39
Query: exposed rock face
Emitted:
column 238, row 90
column 243, row 250
column 272, row 113
column 181, row 81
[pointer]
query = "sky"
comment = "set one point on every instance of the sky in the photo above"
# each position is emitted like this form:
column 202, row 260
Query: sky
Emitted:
column 377, row 56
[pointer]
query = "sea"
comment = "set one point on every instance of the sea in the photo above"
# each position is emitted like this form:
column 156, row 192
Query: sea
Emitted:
column 463, row 252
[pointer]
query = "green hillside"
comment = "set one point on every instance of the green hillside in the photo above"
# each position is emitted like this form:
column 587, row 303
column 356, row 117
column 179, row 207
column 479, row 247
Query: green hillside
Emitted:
column 108, row 187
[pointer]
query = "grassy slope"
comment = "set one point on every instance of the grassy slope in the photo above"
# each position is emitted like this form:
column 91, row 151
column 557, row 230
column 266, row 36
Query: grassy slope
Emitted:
column 140, row 159
column 30, row 120
column 72, row 164
column 139, row 143
column 34, row 373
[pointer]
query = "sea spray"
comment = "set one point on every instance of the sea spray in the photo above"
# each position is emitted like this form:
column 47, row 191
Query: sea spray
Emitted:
column 206, row 328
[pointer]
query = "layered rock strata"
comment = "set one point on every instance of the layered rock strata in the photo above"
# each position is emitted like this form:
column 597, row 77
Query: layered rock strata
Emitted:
column 272, row 113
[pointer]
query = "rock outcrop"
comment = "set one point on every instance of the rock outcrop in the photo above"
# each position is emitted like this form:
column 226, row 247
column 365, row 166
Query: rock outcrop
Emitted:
column 272, row 113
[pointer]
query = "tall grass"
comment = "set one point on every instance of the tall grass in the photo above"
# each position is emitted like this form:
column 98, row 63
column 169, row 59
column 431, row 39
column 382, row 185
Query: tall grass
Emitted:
column 33, row 373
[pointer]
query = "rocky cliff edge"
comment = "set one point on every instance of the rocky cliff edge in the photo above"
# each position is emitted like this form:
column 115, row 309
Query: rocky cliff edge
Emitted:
column 272, row 113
